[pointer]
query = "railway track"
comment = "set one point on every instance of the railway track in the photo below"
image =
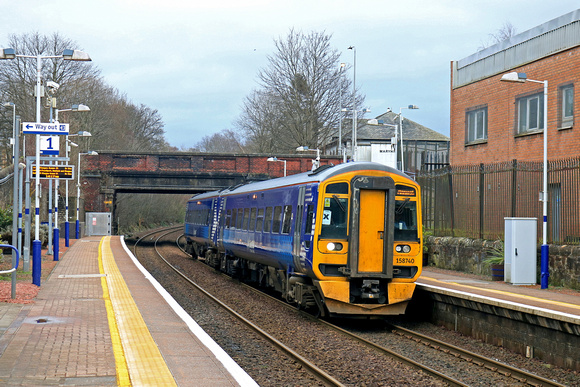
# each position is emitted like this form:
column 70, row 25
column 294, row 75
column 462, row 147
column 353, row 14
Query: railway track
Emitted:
column 488, row 365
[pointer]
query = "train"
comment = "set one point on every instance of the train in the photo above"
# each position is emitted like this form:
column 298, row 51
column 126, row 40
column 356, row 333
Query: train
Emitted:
column 341, row 240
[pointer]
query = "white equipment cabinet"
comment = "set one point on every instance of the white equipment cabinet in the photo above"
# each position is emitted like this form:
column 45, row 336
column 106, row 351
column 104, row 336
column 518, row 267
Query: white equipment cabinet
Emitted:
column 98, row 223
column 520, row 249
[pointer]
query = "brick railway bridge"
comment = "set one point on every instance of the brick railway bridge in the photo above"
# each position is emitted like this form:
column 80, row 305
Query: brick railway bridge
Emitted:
column 110, row 173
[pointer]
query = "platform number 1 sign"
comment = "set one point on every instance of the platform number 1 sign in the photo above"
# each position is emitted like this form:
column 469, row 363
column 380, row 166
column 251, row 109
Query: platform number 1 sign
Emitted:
column 49, row 145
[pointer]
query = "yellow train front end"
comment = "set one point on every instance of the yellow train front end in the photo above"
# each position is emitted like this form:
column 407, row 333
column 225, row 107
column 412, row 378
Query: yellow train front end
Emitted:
column 368, row 242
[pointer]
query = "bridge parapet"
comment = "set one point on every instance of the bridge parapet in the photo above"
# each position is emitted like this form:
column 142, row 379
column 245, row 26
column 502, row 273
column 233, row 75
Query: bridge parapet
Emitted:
column 109, row 173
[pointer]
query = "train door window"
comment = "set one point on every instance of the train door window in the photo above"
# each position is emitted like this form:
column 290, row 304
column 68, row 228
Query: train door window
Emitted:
column 268, row 220
column 406, row 220
column 205, row 219
column 309, row 219
column 228, row 218
column 260, row 220
column 287, row 220
column 253, row 219
column 246, row 219
column 277, row 219
column 234, row 216
column 240, row 218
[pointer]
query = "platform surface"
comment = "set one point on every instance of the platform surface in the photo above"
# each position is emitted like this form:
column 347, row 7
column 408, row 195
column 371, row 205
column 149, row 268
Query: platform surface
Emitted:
column 560, row 304
column 99, row 320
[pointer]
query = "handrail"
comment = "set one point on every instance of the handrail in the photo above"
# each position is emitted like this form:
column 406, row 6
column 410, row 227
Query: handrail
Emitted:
column 17, row 259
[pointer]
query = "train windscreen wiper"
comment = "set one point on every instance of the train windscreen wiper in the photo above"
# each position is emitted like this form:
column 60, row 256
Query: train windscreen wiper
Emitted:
column 339, row 203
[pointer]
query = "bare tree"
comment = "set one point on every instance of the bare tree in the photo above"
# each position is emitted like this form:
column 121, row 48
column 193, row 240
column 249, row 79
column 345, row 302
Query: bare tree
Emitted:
column 299, row 100
column 226, row 141
column 504, row 33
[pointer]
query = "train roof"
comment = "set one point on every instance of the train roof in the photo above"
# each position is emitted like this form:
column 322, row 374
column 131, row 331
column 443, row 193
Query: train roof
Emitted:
column 318, row 175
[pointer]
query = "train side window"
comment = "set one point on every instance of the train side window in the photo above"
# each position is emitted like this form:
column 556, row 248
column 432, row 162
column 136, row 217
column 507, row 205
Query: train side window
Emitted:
column 246, row 219
column 234, row 216
column 260, row 220
column 240, row 218
column 287, row 220
column 277, row 219
column 253, row 219
column 228, row 218
column 268, row 220
column 309, row 220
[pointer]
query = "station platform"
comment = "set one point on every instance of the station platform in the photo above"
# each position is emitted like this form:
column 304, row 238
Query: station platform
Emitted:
column 101, row 319
column 557, row 304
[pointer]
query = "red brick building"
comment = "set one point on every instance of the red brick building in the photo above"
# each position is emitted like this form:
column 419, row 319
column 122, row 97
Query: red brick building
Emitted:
column 494, row 121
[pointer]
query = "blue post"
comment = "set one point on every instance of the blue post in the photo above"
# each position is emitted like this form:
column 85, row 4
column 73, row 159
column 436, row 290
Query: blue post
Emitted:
column 36, row 262
column 77, row 229
column 66, row 233
column 544, row 266
column 56, row 243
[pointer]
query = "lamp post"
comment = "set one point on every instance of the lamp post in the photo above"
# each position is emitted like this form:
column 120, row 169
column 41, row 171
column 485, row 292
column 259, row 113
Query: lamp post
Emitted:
column 76, row 55
column 276, row 159
column 74, row 108
column 15, row 178
column 340, row 150
column 89, row 153
column 401, row 129
column 353, row 48
column 545, row 250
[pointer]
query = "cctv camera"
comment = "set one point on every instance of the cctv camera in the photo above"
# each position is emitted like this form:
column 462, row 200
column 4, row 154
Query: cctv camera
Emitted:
column 52, row 85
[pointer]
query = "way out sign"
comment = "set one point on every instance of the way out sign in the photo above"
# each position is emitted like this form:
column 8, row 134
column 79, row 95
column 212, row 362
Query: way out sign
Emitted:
column 49, row 145
column 44, row 128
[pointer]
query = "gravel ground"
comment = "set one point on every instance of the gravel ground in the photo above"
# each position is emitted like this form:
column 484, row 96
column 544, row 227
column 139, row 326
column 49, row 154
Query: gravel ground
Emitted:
column 347, row 361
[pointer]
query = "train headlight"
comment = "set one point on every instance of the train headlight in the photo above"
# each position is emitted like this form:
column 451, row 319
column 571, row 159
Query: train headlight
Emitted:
column 331, row 246
column 403, row 249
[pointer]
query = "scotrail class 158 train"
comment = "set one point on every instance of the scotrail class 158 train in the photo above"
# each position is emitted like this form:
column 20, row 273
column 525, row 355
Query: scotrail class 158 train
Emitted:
column 344, row 239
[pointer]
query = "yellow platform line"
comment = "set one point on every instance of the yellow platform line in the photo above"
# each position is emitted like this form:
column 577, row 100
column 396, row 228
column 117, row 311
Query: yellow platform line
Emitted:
column 523, row 296
column 145, row 364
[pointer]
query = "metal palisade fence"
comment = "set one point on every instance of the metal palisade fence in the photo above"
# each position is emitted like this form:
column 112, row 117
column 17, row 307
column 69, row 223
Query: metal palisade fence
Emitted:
column 473, row 200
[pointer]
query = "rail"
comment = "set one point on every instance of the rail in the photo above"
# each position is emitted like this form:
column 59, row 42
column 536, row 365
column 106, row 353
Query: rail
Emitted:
column 17, row 259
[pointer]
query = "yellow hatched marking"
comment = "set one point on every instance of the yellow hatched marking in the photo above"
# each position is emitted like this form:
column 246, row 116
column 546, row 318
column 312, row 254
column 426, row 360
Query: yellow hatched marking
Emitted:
column 145, row 363
column 565, row 304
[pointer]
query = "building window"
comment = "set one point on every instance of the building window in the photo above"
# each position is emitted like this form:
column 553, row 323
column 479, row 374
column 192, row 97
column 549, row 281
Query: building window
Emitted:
column 476, row 124
column 567, row 107
column 530, row 113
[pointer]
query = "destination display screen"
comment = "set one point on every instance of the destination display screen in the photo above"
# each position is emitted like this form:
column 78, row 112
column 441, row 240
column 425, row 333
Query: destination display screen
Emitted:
column 54, row 172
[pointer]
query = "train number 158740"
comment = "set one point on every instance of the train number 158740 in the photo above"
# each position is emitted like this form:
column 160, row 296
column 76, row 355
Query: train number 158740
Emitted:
column 404, row 260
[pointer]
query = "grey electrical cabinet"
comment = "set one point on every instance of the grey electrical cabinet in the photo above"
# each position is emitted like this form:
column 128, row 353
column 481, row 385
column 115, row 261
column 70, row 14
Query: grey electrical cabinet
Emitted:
column 98, row 223
column 520, row 249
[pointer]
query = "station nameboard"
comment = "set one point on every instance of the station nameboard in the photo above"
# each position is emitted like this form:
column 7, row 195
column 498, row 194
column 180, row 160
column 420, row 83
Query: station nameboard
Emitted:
column 54, row 172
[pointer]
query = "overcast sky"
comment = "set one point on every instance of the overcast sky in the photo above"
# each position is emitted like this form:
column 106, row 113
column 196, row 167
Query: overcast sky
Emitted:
column 195, row 61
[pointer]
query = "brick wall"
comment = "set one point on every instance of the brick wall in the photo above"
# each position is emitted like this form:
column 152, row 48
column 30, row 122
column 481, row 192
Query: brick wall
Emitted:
column 499, row 97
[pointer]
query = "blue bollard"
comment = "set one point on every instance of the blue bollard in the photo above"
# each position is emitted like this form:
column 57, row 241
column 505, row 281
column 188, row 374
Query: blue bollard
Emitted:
column 66, row 233
column 544, row 266
column 77, row 229
column 56, row 247
column 36, row 262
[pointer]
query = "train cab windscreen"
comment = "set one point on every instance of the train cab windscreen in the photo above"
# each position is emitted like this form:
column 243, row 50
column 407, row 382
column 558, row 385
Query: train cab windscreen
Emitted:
column 335, row 212
column 406, row 220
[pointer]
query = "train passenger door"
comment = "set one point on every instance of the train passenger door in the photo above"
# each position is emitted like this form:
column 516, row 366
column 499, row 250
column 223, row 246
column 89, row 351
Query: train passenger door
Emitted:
column 297, row 237
column 372, row 217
